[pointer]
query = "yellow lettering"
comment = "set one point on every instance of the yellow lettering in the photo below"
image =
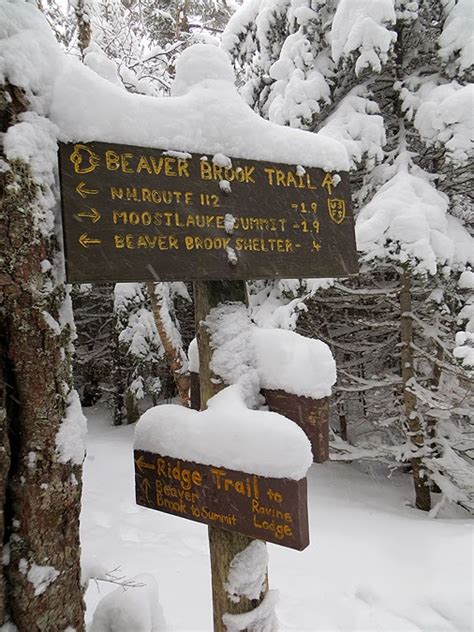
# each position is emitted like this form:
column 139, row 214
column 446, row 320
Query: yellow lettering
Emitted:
column 131, row 194
column 248, row 171
column 119, row 217
column 218, row 474
column 217, row 172
column 190, row 221
column 309, row 182
column 206, row 243
column 290, row 179
column 280, row 178
column 142, row 241
column 197, row 478
column 183, row 169
column 173, row 242
column 157, row 166
column 240, row 487
column 169, row 166
column 269, row 171
column 206, row 170
column 116, row 193
column 124, row 162
column 143, row 164
column 112, row 160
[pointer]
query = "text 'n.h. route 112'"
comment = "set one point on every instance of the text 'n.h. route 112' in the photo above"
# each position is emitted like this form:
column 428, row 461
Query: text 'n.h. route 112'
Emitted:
column 134, row 214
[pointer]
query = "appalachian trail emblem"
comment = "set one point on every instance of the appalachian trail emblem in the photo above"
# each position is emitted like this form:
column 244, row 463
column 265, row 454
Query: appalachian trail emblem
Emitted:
column 84, row 159
column 337, row 210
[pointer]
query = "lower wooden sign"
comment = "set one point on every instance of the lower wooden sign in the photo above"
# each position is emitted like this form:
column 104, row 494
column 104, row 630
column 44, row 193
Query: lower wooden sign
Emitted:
column 271, row 509
column 311, row 415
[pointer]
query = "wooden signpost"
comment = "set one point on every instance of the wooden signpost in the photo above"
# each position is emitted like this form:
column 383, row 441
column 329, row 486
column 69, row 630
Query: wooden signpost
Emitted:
column 140, row 214
column 271, row 509
column 136, row 214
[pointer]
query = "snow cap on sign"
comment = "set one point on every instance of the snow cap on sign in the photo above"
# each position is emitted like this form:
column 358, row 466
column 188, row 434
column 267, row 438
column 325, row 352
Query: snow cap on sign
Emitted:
column 227, row 434
column 288, row 361
column 205, row 114
column 294, row 363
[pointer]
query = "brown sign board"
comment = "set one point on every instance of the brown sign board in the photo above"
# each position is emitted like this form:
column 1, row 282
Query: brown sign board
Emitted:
column 135, row 214
column 311, row 415
column 270, row 509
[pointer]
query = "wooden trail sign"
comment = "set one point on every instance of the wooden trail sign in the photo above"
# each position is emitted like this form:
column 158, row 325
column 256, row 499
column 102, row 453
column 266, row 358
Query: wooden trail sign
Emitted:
column 140, row 214
column 270, row 509
column 137, row 214
column 311, row 415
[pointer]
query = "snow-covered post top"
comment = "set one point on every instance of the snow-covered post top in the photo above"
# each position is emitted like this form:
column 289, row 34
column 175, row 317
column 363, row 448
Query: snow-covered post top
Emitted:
column 293, row 363
column 288, row 361
column 295, row 376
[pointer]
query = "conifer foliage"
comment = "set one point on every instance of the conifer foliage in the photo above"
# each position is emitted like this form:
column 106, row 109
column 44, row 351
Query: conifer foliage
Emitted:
column 392, row 81
column 135, row 43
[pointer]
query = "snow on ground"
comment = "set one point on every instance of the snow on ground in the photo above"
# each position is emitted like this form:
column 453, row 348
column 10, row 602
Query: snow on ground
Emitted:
column 374, row 563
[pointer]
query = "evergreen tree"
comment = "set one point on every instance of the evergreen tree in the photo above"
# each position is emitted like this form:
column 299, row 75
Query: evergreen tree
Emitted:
column 136, row 42
column 138, row 345
column 94, row 345
column 390, row 80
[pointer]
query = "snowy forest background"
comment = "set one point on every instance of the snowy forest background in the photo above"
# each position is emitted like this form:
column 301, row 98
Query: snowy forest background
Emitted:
column 391, row 81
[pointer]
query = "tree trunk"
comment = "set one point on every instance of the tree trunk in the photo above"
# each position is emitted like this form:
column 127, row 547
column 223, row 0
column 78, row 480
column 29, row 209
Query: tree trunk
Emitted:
column 414, row 425
column 341, row 413
column 119, row 385
column 432, row 422
column 41, row 488
column 131, row 407
column 223, row 545
column 4, row 452
column 82, row 9
column 173, row 354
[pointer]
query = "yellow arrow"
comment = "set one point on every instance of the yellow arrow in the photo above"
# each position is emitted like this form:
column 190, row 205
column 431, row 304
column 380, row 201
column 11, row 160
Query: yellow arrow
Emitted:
column 327, row 182
column 83, row 192
column 146, row 486
column 142, row 464
column 87, row 241
column 94, row 215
